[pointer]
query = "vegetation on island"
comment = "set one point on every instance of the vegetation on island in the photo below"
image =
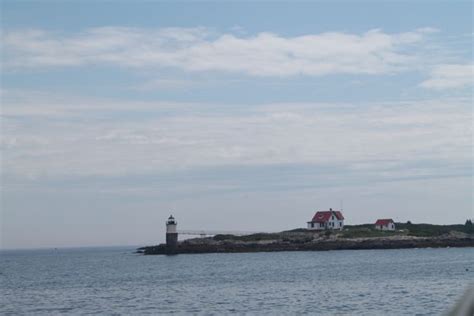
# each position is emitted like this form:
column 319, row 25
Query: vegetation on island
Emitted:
column 407, row 229
column 357, row 231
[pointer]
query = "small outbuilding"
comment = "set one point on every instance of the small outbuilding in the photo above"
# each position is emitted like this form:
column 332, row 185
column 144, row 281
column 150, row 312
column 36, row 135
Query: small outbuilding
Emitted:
column 385, row 224
column 327, row 220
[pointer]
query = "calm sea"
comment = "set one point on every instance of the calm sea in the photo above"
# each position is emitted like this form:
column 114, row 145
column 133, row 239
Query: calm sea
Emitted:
column 116, row 281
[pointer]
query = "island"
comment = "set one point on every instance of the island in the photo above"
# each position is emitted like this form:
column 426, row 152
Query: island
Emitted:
column 407, row 235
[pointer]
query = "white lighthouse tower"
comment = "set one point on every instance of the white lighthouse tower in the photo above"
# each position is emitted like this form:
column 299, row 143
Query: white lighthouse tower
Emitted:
column 171, row 234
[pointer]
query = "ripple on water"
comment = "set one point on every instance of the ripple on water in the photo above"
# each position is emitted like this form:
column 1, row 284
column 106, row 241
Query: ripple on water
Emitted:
column 405, row 282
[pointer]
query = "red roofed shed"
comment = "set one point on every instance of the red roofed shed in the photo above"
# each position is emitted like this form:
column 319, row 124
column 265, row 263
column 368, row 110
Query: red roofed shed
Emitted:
column 385, row 224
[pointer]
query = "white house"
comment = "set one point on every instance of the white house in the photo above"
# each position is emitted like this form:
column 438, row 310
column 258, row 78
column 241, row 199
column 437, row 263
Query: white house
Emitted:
column 327, row 220
column 385, row 224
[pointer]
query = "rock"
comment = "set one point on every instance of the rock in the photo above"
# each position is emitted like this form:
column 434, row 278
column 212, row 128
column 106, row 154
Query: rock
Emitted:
column 320, row 244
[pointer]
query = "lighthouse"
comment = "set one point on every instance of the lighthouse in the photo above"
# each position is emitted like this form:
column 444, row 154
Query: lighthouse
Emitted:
column 171, row 234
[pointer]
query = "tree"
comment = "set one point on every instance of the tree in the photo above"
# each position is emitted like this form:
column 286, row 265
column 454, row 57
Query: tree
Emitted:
column 469, row 227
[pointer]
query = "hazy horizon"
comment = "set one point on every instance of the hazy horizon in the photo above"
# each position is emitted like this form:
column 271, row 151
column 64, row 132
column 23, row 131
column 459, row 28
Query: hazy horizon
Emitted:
column 230, row 116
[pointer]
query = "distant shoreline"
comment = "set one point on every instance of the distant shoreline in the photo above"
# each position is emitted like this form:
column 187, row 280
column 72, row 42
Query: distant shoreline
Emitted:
column 351, row 238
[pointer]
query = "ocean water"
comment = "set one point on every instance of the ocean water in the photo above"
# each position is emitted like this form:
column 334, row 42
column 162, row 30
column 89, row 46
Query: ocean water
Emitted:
column 117, row 281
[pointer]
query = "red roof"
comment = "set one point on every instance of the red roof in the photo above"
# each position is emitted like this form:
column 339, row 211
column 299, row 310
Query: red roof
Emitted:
column 339, row 215
column 383, row 222
column 324, row 216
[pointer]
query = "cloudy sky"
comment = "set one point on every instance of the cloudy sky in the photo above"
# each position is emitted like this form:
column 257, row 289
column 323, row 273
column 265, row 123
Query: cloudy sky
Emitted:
column 231, row 116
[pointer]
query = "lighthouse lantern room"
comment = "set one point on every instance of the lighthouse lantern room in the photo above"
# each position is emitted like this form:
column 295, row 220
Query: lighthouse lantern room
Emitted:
column 171, row 225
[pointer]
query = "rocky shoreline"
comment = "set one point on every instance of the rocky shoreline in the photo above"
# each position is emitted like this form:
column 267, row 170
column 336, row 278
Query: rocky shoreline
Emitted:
column 307, row 242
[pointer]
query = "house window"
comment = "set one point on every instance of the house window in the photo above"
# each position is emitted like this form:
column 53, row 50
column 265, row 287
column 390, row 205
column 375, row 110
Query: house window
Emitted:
column 312, row 225
column 321, row 225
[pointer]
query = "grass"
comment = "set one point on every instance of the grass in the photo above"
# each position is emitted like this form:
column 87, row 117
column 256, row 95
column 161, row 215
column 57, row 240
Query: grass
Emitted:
column 429, row 230
column 355, row 231
column 418, row 230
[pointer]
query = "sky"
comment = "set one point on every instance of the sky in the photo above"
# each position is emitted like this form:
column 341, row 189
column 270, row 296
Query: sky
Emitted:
column 245, row 116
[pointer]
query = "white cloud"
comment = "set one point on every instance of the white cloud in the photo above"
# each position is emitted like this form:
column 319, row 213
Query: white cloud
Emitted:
column 76, row 138
column 450, row 76
column 199, row 49
column 167, row 84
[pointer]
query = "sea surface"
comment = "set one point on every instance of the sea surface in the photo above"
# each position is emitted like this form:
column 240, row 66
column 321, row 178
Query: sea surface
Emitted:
column 117, row 281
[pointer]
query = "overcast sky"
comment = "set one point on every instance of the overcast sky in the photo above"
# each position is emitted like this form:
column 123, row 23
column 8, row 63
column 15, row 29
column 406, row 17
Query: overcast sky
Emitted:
column 230, row 116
